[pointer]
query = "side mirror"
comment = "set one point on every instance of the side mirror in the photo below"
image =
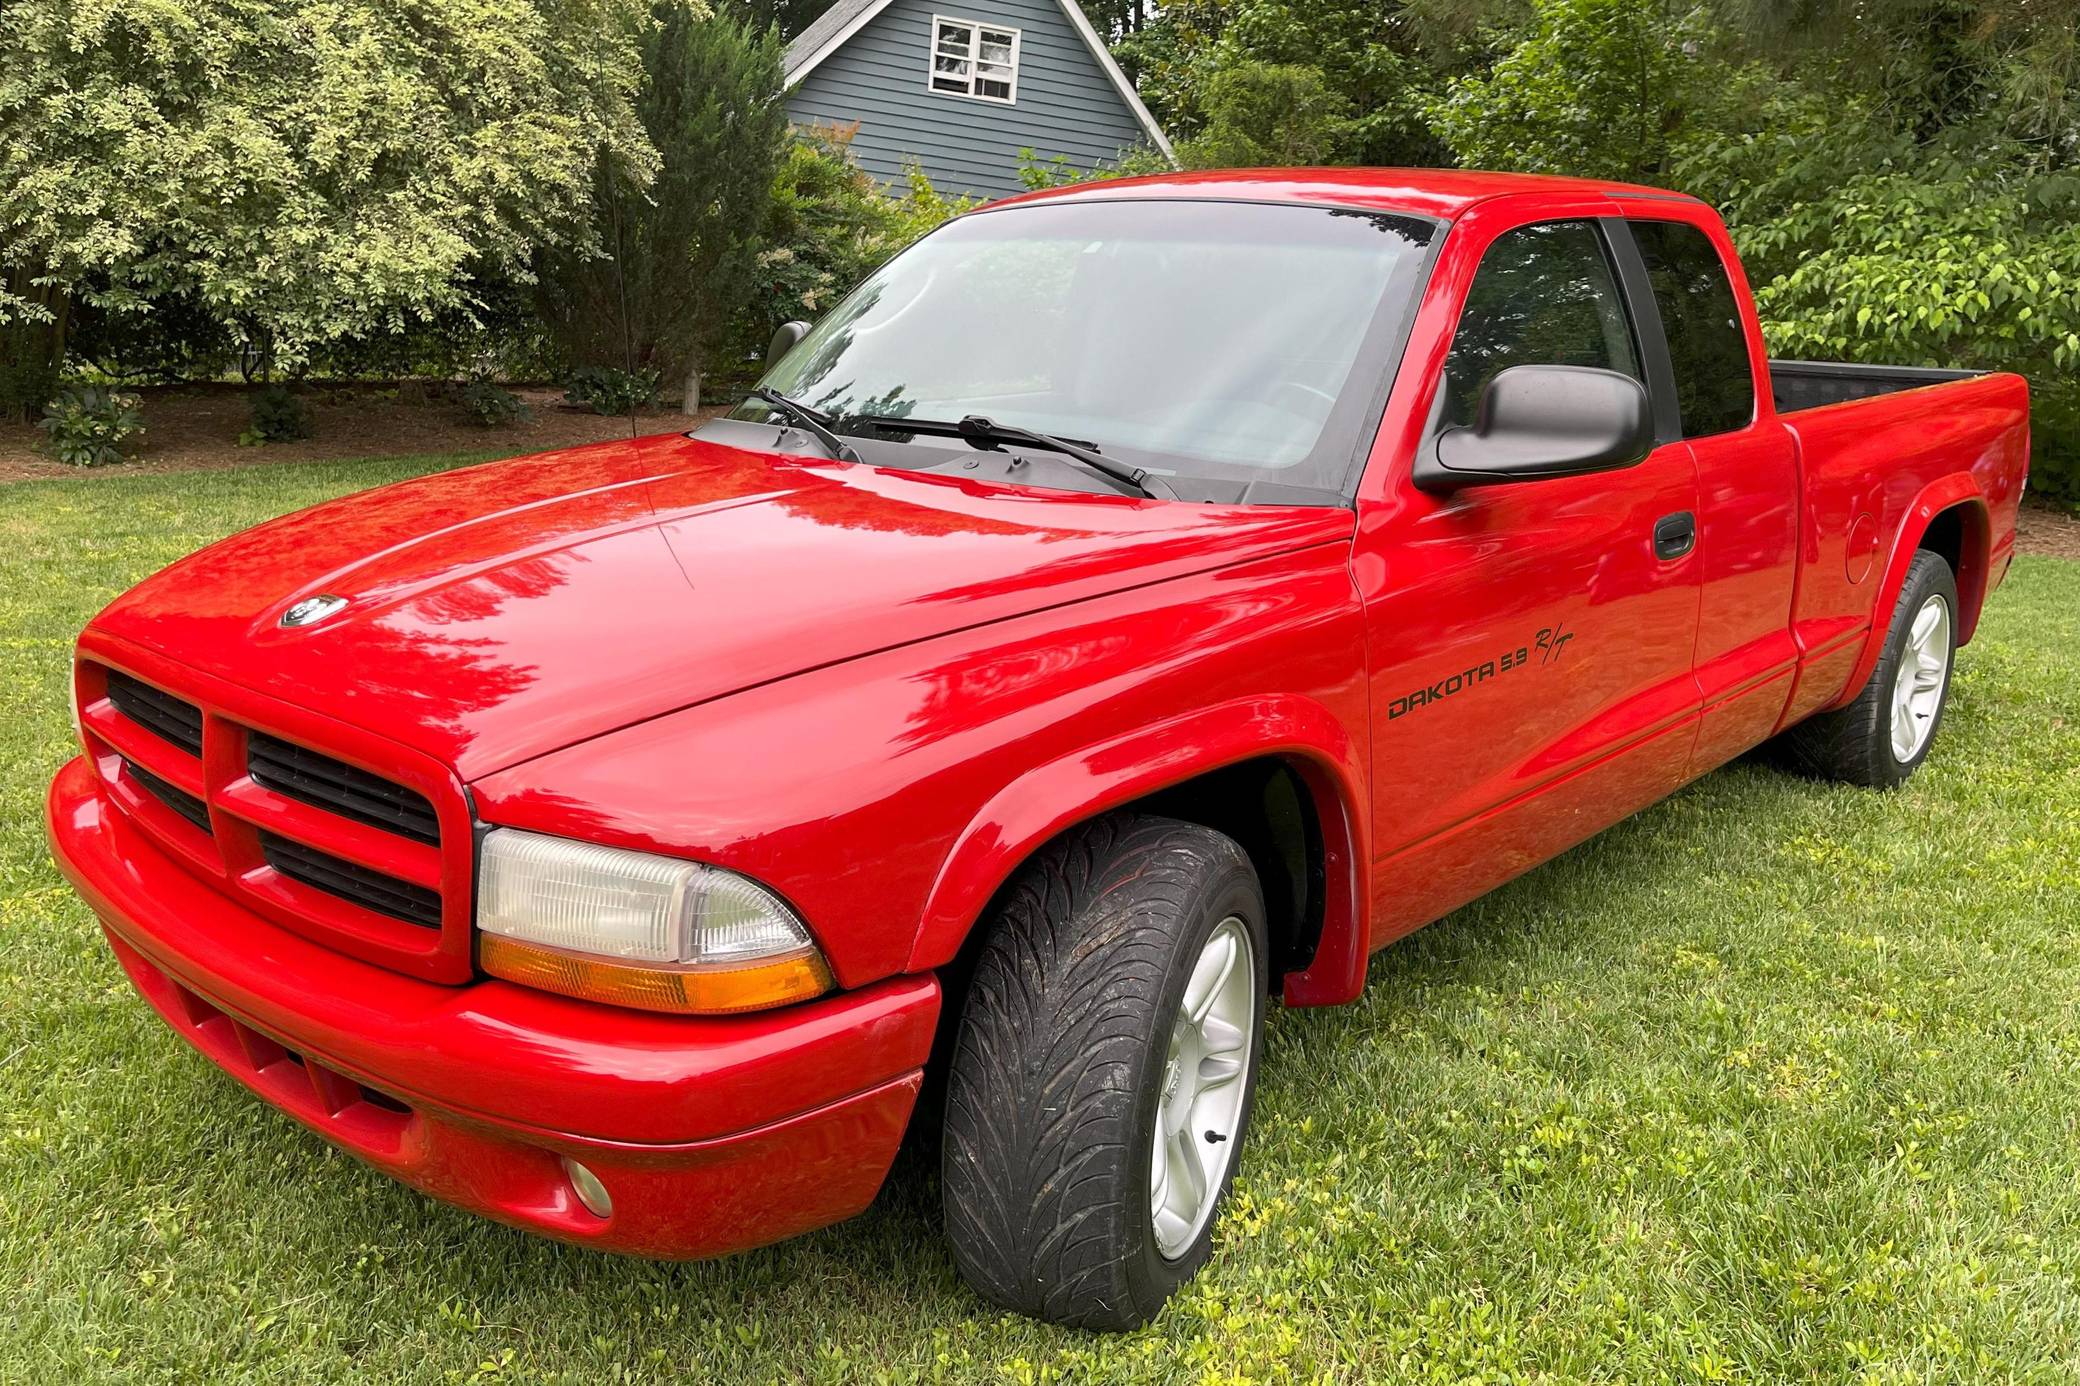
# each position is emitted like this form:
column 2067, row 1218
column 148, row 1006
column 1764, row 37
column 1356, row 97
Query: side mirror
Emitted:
column 784, row 338
column 1542, row 421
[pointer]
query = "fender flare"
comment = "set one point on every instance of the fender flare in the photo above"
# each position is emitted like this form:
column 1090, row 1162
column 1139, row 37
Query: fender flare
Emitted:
column 1959, row 489
column 1043, row 801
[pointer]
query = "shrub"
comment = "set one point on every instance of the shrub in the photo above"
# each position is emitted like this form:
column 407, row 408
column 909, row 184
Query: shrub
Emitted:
column 169, row 337
column 27, row 382
column 1961, row 262
column 490, row 405
column 611, row 391
column 828, row 226
column 1267, row 113
column 278, row 417
column 88, row 425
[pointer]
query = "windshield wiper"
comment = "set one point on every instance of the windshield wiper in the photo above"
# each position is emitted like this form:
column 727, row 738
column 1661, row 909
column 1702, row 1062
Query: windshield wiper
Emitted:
column 988, row 434
column 814, row 421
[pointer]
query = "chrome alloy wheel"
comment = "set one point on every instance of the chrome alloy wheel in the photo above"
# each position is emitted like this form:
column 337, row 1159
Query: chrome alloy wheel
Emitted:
column 1924, row 670
column 1199, row 1113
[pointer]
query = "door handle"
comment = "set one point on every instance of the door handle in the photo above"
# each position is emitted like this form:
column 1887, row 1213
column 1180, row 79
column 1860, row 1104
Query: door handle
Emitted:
column 1674, row 535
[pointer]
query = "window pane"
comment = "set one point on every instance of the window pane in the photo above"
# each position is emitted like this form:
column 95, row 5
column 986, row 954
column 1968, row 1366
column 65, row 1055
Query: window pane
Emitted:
column 1544, row 295
column 957, row 35
column 985, row 86
column 1706, row 345
column 996, row 52
column 950, row 67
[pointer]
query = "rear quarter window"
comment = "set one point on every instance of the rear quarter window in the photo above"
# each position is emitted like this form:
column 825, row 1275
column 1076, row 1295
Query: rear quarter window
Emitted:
column 1706, row 346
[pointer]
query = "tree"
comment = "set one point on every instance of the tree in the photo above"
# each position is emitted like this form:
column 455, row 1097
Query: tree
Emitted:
column 1266, row 113
column 678, row 254
column 304, row 169
column 1375, row 62
column 792, row 16
column 1596, row 88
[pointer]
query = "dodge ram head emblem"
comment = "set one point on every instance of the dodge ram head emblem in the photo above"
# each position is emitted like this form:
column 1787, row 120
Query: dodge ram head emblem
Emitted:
column 311, row 610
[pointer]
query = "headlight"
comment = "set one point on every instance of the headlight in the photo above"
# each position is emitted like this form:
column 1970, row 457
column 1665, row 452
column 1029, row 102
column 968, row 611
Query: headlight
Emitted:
column 635, row 929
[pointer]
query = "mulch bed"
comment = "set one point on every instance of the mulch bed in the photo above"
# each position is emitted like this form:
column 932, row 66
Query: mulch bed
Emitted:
column 2047, row 531
column 195, row 428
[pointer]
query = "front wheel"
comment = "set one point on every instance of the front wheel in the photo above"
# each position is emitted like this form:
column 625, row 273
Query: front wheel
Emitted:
column 1104, row 1070
column 1883, row 736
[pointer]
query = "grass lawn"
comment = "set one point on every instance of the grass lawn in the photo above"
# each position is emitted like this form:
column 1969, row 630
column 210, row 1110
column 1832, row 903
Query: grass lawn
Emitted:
column 1774, row 1081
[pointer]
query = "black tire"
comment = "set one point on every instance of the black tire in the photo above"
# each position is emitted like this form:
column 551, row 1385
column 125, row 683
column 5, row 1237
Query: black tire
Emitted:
column 1060, row 1061
column 1854, row 743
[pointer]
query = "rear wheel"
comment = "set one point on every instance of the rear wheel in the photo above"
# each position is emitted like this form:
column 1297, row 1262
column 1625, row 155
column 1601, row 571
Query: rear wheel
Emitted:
column 1883, row 736
column 1104, row 1070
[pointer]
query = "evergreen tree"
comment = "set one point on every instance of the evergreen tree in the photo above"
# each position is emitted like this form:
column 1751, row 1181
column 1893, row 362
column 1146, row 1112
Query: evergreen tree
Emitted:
column 679, row 255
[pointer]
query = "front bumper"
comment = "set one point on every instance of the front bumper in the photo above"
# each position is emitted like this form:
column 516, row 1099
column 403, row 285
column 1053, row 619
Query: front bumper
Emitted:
column 712, row 1134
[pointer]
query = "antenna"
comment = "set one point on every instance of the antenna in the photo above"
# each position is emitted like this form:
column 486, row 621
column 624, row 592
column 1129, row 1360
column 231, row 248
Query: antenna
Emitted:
column 628, row 334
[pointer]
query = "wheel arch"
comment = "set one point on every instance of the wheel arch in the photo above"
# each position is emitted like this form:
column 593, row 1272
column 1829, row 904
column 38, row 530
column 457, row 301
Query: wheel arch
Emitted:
column 1196, row 767
column 1950, row 517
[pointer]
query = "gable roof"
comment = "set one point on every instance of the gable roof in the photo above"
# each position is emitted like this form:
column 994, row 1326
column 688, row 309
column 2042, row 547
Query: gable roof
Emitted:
column 835, row 27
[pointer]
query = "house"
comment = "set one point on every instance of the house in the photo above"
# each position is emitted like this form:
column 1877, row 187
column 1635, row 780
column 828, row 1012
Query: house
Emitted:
column 959, row 87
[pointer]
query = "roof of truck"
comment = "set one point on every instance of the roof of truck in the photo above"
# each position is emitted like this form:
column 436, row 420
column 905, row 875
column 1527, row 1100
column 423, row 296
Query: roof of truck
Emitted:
column 1433, row 192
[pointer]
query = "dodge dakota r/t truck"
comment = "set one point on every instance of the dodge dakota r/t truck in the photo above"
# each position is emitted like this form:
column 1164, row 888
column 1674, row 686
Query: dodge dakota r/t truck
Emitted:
column 1133, row 603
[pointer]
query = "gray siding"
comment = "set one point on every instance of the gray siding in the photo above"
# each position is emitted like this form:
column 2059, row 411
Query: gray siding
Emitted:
column 1065, row 103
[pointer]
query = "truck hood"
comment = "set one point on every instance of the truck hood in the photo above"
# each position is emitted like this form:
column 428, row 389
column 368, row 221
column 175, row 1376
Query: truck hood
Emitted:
column 500, row 612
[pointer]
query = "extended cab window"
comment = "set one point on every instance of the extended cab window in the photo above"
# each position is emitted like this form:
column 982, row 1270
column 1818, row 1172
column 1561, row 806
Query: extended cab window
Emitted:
column 1545, row 295
column 1706, row 346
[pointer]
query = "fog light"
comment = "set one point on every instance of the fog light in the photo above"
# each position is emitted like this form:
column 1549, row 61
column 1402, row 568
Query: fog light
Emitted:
column 591, row 1192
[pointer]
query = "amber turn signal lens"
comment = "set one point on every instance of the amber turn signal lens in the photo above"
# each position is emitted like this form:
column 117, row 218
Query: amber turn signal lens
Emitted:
column 686, row 991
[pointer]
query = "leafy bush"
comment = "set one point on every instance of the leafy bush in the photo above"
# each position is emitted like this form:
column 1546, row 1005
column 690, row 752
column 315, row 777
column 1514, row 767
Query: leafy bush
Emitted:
column 1964, row 262
column 1595, row 88
column 490, row 405
column 828, row 226
column 278, row 417
column 316, row 170
column 1266, row 113
column 89, row 425
column 27, row 382
column 611, row 391
column 167, row 337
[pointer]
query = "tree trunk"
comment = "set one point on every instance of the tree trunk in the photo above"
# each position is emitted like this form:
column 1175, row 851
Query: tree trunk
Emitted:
column 691, row 404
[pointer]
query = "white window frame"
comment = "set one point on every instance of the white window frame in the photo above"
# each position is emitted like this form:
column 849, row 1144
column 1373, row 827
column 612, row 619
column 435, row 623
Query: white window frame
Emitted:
column 973, row 58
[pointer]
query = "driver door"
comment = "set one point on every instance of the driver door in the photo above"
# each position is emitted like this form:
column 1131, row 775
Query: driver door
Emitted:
column 1530, row 650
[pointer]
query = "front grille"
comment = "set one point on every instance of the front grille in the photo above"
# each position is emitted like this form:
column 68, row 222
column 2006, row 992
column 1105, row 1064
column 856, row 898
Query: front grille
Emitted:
column 166, row 716
column 173, row 796
column 372, row 890
column 347, row 790
column 349, row 857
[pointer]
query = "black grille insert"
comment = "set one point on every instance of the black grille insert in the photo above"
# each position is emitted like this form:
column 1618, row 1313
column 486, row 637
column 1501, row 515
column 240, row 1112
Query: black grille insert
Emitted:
column 340, row 788
column 372, row 890
column 171, row 795
column 162, row 714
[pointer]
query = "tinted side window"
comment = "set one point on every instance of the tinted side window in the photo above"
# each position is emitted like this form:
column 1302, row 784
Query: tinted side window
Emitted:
column 1705, row 343
column 1544, row 295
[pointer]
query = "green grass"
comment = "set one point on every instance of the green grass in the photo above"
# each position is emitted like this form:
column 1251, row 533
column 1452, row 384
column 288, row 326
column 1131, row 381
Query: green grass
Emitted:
column 1775, row 1081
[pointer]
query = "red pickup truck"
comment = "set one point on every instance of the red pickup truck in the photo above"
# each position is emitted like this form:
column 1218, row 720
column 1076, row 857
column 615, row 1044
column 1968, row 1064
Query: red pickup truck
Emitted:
column 1133, row 603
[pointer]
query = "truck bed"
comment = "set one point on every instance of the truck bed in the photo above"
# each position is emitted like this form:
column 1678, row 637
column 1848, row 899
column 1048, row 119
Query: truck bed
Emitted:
column 1810, row 384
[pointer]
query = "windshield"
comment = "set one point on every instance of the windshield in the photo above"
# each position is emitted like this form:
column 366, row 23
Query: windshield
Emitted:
column 1233, row 342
